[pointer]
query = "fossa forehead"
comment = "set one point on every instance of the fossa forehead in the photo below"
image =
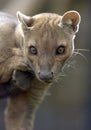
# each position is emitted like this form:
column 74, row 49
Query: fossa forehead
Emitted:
column 46, row 26
column 46, row 16
column 47, row 19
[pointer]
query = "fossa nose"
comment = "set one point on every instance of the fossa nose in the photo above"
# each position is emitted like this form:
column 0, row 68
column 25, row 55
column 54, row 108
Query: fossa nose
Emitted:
column 46, row 76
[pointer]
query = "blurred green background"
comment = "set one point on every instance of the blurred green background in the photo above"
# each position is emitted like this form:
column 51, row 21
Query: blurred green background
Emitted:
column 68, row 106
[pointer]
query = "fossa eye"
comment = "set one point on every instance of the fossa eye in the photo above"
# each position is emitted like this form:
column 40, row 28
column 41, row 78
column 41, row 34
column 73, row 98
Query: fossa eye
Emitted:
column 60, row 50
column 33, row 50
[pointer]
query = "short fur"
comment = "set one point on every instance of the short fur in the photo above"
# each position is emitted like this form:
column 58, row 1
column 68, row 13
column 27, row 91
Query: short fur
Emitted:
column 26, row 72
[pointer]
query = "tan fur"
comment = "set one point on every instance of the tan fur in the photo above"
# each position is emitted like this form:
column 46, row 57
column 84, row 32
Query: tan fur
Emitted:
column 46, row 32
column 8, row 57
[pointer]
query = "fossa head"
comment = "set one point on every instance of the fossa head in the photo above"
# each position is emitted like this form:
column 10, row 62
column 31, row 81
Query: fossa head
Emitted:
column 48, row 41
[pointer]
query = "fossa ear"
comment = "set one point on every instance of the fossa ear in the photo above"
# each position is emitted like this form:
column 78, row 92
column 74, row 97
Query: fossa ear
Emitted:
column 25, row 21
column 72, row 20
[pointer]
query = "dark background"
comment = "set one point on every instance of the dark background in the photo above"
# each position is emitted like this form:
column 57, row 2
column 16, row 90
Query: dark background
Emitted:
column 68, row 106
